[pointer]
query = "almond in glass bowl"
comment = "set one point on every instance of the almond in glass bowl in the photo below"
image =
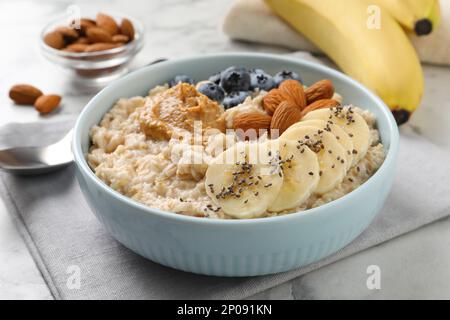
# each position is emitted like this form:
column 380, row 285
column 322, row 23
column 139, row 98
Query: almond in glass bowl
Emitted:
column 98, row 51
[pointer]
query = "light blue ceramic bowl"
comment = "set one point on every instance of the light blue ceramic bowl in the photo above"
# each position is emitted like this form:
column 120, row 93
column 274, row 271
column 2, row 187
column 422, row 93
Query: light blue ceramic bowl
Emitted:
column 234, row 247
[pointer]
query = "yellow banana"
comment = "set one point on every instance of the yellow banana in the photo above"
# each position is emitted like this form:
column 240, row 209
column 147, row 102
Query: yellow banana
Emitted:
column 379, row 56
column 419, row 16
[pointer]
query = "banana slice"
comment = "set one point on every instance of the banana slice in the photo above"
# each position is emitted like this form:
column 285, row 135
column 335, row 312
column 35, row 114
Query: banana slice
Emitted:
column 301, row 176
column 330, row 153
column 245, row 179
column 338, row 132
column 352, row 123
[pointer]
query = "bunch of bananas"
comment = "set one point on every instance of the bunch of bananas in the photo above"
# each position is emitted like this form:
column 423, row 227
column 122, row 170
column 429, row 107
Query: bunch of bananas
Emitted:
column 367, row 40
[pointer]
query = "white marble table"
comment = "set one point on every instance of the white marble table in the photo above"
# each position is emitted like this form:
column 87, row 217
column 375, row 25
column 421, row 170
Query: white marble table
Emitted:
column 413, row 266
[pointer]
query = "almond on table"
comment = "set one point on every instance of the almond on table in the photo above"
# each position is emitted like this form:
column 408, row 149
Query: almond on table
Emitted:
column 47, row 103
column 24, row 94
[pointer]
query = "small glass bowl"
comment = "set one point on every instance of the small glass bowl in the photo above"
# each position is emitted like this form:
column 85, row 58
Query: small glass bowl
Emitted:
column 99, row 67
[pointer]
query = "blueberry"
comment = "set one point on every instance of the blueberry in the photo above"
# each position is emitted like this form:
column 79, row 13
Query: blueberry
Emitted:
column 285, row 75
column 235, row 79
column 233, row 68
column 235, row 98
column 215, row 78
column 259, row 79
column 211, row 90
column 180, row 78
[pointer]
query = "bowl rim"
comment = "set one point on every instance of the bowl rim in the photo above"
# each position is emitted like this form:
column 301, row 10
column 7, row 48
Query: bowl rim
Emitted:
column 82, row 164
column 137, row 42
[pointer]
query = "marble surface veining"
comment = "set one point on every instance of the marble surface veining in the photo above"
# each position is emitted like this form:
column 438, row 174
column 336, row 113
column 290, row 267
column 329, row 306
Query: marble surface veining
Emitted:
column 414, row 265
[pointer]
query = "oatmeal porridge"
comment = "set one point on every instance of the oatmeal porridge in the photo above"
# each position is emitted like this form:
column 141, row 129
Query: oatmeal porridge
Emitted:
column 168, row 150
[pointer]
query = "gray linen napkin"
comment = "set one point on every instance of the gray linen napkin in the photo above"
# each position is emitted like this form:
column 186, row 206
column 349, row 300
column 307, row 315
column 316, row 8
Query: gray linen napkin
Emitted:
column 61, row 232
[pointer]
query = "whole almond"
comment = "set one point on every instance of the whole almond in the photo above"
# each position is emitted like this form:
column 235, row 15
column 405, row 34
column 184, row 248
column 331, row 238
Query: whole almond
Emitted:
column 68, row 33
column 322, row 89
column 293, row 90
column 126, row 28
column 47, row 103
column 101, row 46
column 96, row 34
column 285, row 116
column 272, row 100
column 107, row 23
column 24, row 94
column 85, row 24
column 320, row 104
column 54, row 39
column 76, row 47
column 120, row 38
column 252, row 120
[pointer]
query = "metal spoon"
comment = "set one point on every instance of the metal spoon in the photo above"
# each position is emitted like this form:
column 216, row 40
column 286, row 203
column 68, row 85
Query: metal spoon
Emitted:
column 36, row 160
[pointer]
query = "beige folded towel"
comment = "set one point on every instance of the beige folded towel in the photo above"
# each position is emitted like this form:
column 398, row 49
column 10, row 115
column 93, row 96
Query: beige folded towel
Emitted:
column 252, row 20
